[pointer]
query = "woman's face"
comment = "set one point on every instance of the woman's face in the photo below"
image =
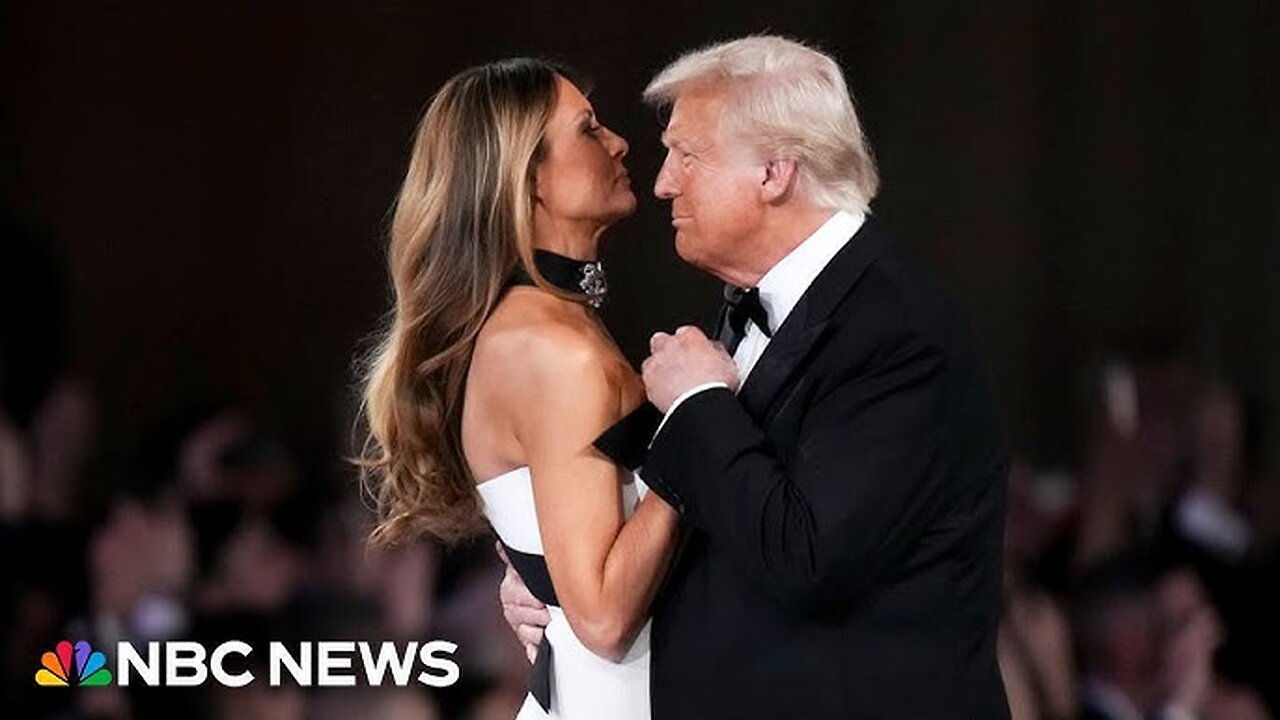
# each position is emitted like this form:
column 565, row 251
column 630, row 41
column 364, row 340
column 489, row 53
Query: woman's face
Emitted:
column 581, row 181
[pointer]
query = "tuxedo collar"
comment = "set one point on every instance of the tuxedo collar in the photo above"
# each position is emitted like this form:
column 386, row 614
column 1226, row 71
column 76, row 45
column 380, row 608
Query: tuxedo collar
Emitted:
column 810, row 319
column 784, row 284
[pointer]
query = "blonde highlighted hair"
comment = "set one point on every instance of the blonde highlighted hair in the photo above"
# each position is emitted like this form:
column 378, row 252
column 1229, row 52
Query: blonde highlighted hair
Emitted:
column 788, row 101
column 462, row 226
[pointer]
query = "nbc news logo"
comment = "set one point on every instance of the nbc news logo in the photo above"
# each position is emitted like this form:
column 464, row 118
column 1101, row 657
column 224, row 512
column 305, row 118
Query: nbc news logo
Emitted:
column 318, row 664
column 90, row 666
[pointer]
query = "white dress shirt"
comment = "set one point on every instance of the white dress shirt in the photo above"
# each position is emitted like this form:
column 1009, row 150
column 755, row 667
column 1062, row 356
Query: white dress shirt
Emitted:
column 780, row 289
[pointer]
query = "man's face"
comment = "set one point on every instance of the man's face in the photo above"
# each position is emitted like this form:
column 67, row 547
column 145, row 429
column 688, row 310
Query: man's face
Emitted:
column 713, row 181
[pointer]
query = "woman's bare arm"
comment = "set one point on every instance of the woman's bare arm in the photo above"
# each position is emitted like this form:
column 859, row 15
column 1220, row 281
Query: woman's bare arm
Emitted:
column 605, row 570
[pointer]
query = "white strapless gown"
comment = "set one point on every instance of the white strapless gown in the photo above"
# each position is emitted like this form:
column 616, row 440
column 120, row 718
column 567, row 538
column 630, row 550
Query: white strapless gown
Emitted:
column 584, row 686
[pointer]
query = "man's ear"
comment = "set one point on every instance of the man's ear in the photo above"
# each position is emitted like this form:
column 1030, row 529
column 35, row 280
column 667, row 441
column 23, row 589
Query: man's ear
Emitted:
column 780, row 177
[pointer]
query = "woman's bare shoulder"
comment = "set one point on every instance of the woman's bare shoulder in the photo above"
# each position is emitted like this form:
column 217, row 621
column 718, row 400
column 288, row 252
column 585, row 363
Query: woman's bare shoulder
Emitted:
column 541, row 343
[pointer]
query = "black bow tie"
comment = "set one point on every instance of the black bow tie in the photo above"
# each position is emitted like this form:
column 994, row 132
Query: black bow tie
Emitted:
column 741, row 305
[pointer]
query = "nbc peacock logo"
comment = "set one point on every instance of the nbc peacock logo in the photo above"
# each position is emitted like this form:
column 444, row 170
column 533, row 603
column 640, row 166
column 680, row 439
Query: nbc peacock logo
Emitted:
column 90, row 670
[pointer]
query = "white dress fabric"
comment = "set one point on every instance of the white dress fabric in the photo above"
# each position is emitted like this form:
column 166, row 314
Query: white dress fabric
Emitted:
column 584, row 686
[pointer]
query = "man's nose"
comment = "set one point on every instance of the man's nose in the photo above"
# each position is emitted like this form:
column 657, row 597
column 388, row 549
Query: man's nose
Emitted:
column 666, row 185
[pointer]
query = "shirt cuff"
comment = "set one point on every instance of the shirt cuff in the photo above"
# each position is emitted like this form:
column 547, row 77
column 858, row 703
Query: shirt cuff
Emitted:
column 685, row 396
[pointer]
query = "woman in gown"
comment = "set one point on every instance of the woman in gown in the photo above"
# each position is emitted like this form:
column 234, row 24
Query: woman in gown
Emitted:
column 496, row 377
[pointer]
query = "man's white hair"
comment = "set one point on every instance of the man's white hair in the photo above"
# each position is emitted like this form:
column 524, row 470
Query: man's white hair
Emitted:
column 788, row 101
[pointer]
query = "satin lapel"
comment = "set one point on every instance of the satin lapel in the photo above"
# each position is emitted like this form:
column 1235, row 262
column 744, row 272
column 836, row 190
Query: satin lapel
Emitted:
column 775, row 367
column 810, row 320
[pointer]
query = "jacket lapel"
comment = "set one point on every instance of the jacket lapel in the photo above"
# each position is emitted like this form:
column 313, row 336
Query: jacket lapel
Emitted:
column 811, row 319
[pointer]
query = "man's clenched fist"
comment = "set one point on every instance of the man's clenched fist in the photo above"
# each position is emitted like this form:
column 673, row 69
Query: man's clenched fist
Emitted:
column 680, row 362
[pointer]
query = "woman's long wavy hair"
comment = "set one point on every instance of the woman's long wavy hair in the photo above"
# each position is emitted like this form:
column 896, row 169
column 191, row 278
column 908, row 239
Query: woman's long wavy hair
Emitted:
column 462, row 225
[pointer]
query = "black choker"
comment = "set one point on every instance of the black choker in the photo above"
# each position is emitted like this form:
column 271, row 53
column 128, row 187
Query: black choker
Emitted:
column 575, row 276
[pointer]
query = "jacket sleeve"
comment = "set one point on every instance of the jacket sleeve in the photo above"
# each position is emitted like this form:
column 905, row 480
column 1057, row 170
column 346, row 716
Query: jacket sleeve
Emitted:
column 862, row 484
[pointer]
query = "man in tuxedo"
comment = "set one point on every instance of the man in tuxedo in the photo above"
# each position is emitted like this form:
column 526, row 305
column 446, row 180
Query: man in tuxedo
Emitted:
column 832, row 456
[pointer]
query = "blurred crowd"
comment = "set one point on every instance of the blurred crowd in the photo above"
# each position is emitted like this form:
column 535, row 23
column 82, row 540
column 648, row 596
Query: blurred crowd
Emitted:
column 212, row 529
column 1141, row 581
column 1140, row 576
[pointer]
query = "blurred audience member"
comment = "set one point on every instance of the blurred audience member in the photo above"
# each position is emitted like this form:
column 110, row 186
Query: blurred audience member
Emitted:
column 1191, row 633
column 1119, row 644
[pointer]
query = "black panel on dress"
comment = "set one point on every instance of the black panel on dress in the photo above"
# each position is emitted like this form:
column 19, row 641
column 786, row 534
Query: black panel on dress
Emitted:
column 626, row 442
column 533, row 571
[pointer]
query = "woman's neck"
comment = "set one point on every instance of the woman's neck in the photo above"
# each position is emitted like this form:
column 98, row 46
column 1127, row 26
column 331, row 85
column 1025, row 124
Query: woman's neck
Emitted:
column 577, row 242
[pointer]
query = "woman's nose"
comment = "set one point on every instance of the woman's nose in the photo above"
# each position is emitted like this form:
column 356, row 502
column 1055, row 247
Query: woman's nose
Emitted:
column 620, row 145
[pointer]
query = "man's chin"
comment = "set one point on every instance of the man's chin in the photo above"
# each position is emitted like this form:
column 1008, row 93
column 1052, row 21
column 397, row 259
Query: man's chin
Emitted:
column 685, row 251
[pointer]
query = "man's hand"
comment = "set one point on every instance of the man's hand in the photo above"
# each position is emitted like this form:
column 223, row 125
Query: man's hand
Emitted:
column 526, row 615
column 681, row 362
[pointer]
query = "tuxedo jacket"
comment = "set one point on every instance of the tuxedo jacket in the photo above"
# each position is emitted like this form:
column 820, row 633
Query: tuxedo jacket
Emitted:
column 844, row 513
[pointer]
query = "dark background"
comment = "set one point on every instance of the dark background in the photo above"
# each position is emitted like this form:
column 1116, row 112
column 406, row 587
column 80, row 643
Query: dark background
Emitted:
column 194, row 199
column 1084, row 176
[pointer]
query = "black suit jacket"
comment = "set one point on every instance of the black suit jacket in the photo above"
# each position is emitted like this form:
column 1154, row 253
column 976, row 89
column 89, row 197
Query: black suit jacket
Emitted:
column 846, row 510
